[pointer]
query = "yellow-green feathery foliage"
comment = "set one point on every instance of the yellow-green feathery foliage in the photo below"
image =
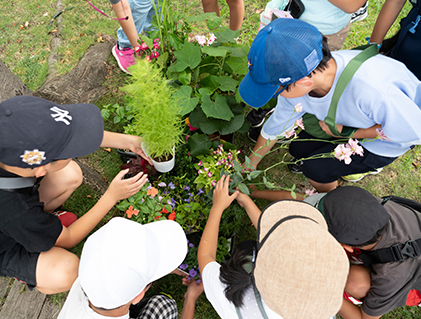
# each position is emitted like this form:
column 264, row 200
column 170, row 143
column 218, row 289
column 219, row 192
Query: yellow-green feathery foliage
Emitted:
column 155, row 113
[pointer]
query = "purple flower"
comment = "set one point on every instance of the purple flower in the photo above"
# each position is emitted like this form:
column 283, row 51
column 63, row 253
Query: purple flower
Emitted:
column 183, row 266
column 165, row 191
column 200, row 191
column 171, row 185
column 186, row 188
column 173, row 202
column 191, row 245
column 162, row 184
column 192, row 273
column 198, row 281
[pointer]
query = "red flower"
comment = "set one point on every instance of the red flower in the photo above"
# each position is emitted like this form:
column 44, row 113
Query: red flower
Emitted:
column 130, row 212
column 165, row 211
column 157, row 217
column 172, row 216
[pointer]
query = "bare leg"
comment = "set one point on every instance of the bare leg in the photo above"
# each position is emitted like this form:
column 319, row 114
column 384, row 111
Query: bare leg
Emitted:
column 236, row 13
column 210, row 6
column 358, row 282
column 57, row 186
column 128, row 25
column 57, row 269
column 323, row 187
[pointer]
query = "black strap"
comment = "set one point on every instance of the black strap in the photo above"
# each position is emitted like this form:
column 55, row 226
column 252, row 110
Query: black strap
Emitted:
column 27, row 185
column 396, row 253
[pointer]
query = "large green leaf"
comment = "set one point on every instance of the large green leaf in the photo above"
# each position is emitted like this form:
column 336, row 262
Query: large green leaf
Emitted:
column 175, row 41
column 227, row 83
column 199, row 144
column 148, row 42
column 185, row 77
column 172, row 73
column 213, row 22
column 237, row 52
column 215, row 51
column 210, row 83
column 212, row 125
column 238, row 65
column 184, row 100
column 188, row 57
column 217, row 109
column 226, row 35
column 200, row 17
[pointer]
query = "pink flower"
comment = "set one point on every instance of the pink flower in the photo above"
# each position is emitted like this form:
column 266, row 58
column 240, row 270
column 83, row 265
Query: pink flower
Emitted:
column 213, row 184
column 343, row 153
column 381, row 134
column 201, row 39
column 200, row 171
column 200, row 163
column 143, row 46
column 211, row 39
column 356, row 149
column 310, row 192
column 298, row 108
column 300, row 123
column 290, row 133
column 209, row 174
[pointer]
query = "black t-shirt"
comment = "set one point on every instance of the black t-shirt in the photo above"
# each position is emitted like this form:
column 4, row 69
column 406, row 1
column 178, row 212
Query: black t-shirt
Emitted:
column 24, row 221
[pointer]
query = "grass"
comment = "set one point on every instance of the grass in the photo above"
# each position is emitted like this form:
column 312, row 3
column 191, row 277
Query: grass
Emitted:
column 25, row 47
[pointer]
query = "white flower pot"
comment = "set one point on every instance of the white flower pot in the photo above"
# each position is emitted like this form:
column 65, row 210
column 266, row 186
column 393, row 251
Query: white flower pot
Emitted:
column 162, row 167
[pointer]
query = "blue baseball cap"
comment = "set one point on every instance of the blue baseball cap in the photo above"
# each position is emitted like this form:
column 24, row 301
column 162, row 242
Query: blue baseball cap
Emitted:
column 283, row 52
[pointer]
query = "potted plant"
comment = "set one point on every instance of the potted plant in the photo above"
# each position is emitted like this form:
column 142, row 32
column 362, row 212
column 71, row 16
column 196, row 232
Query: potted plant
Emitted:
column 155, row 114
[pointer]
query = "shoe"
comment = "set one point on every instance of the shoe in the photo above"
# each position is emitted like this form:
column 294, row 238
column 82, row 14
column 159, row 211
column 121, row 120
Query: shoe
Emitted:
column 358, row 177
column 360, row 14
column 254, row 132
column 256, row 117
column 66, row 218
column 124, row 57
column 295, row 168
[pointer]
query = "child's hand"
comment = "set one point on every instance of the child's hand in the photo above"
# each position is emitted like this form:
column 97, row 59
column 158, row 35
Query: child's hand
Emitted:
column 221, row 197
column 326, row 128
column 194, row 289
column 135, row 145
column 242, row 199
column 123, row 188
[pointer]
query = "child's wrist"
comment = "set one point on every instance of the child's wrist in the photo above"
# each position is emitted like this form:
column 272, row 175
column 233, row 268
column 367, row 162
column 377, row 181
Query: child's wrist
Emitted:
column 369, row 42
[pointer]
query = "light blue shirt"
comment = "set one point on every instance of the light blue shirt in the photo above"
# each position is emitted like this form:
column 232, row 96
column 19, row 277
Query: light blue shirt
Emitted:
column 326, row 17
column 382, row 91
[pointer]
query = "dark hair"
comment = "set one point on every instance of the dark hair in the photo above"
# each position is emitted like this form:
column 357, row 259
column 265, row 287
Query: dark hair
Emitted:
column 373, row 240
column 235, row 277
column 323, row 62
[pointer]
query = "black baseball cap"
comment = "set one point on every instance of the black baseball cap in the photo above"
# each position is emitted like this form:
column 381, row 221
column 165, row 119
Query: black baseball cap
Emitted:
column 353, row 215
column 35, row 131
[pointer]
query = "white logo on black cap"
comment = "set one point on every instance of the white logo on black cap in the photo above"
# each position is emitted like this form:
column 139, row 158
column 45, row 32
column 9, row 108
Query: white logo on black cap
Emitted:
column 61, row 115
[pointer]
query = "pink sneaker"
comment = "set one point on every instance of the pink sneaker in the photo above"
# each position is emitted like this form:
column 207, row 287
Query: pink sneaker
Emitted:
column 125, row 58
column 66, row 218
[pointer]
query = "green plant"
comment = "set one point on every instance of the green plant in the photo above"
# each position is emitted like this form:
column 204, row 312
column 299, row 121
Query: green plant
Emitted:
column 210, row 70
column 155, row 113
column 121, row 114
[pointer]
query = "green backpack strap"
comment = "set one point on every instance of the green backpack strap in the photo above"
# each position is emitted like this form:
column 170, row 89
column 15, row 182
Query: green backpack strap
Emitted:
column 342, row 83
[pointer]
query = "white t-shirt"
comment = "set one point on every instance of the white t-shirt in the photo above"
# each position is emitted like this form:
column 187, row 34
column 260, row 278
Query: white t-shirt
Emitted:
column 77, row 306
column 214, row 290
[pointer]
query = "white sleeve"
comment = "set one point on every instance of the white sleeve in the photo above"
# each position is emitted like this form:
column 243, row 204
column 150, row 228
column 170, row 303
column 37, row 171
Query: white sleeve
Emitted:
column 214, row 290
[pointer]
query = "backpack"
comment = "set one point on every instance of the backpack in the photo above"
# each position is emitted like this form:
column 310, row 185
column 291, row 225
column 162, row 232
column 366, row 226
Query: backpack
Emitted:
column 408, row 46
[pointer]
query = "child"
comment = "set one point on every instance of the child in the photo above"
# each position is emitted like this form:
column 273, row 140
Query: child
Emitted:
column 139, row 15
column 290, row 59
column 357, row 219
column 117, row 266
column 288, row 275
column 38, row 140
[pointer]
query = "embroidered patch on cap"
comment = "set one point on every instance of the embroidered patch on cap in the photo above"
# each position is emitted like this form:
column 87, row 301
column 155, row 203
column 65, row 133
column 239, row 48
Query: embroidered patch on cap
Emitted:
column 33, row 157
column 284, row 80
column 311, row 61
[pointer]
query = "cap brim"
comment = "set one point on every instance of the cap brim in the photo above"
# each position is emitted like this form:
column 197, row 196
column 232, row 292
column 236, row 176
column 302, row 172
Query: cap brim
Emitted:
column 173, row 246
column 255, row 94
column 88, row 131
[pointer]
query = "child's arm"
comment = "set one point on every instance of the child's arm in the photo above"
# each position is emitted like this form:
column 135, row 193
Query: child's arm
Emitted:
column 351, row 311
column 274, row 195
column 119, row 189
column 370, row 132
column 124, row 141
column 194, row 290
column 349, row 6
column 128, row 25
column 387, row 16
column 252, row 210
column 260, row 149
column 209, row 241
